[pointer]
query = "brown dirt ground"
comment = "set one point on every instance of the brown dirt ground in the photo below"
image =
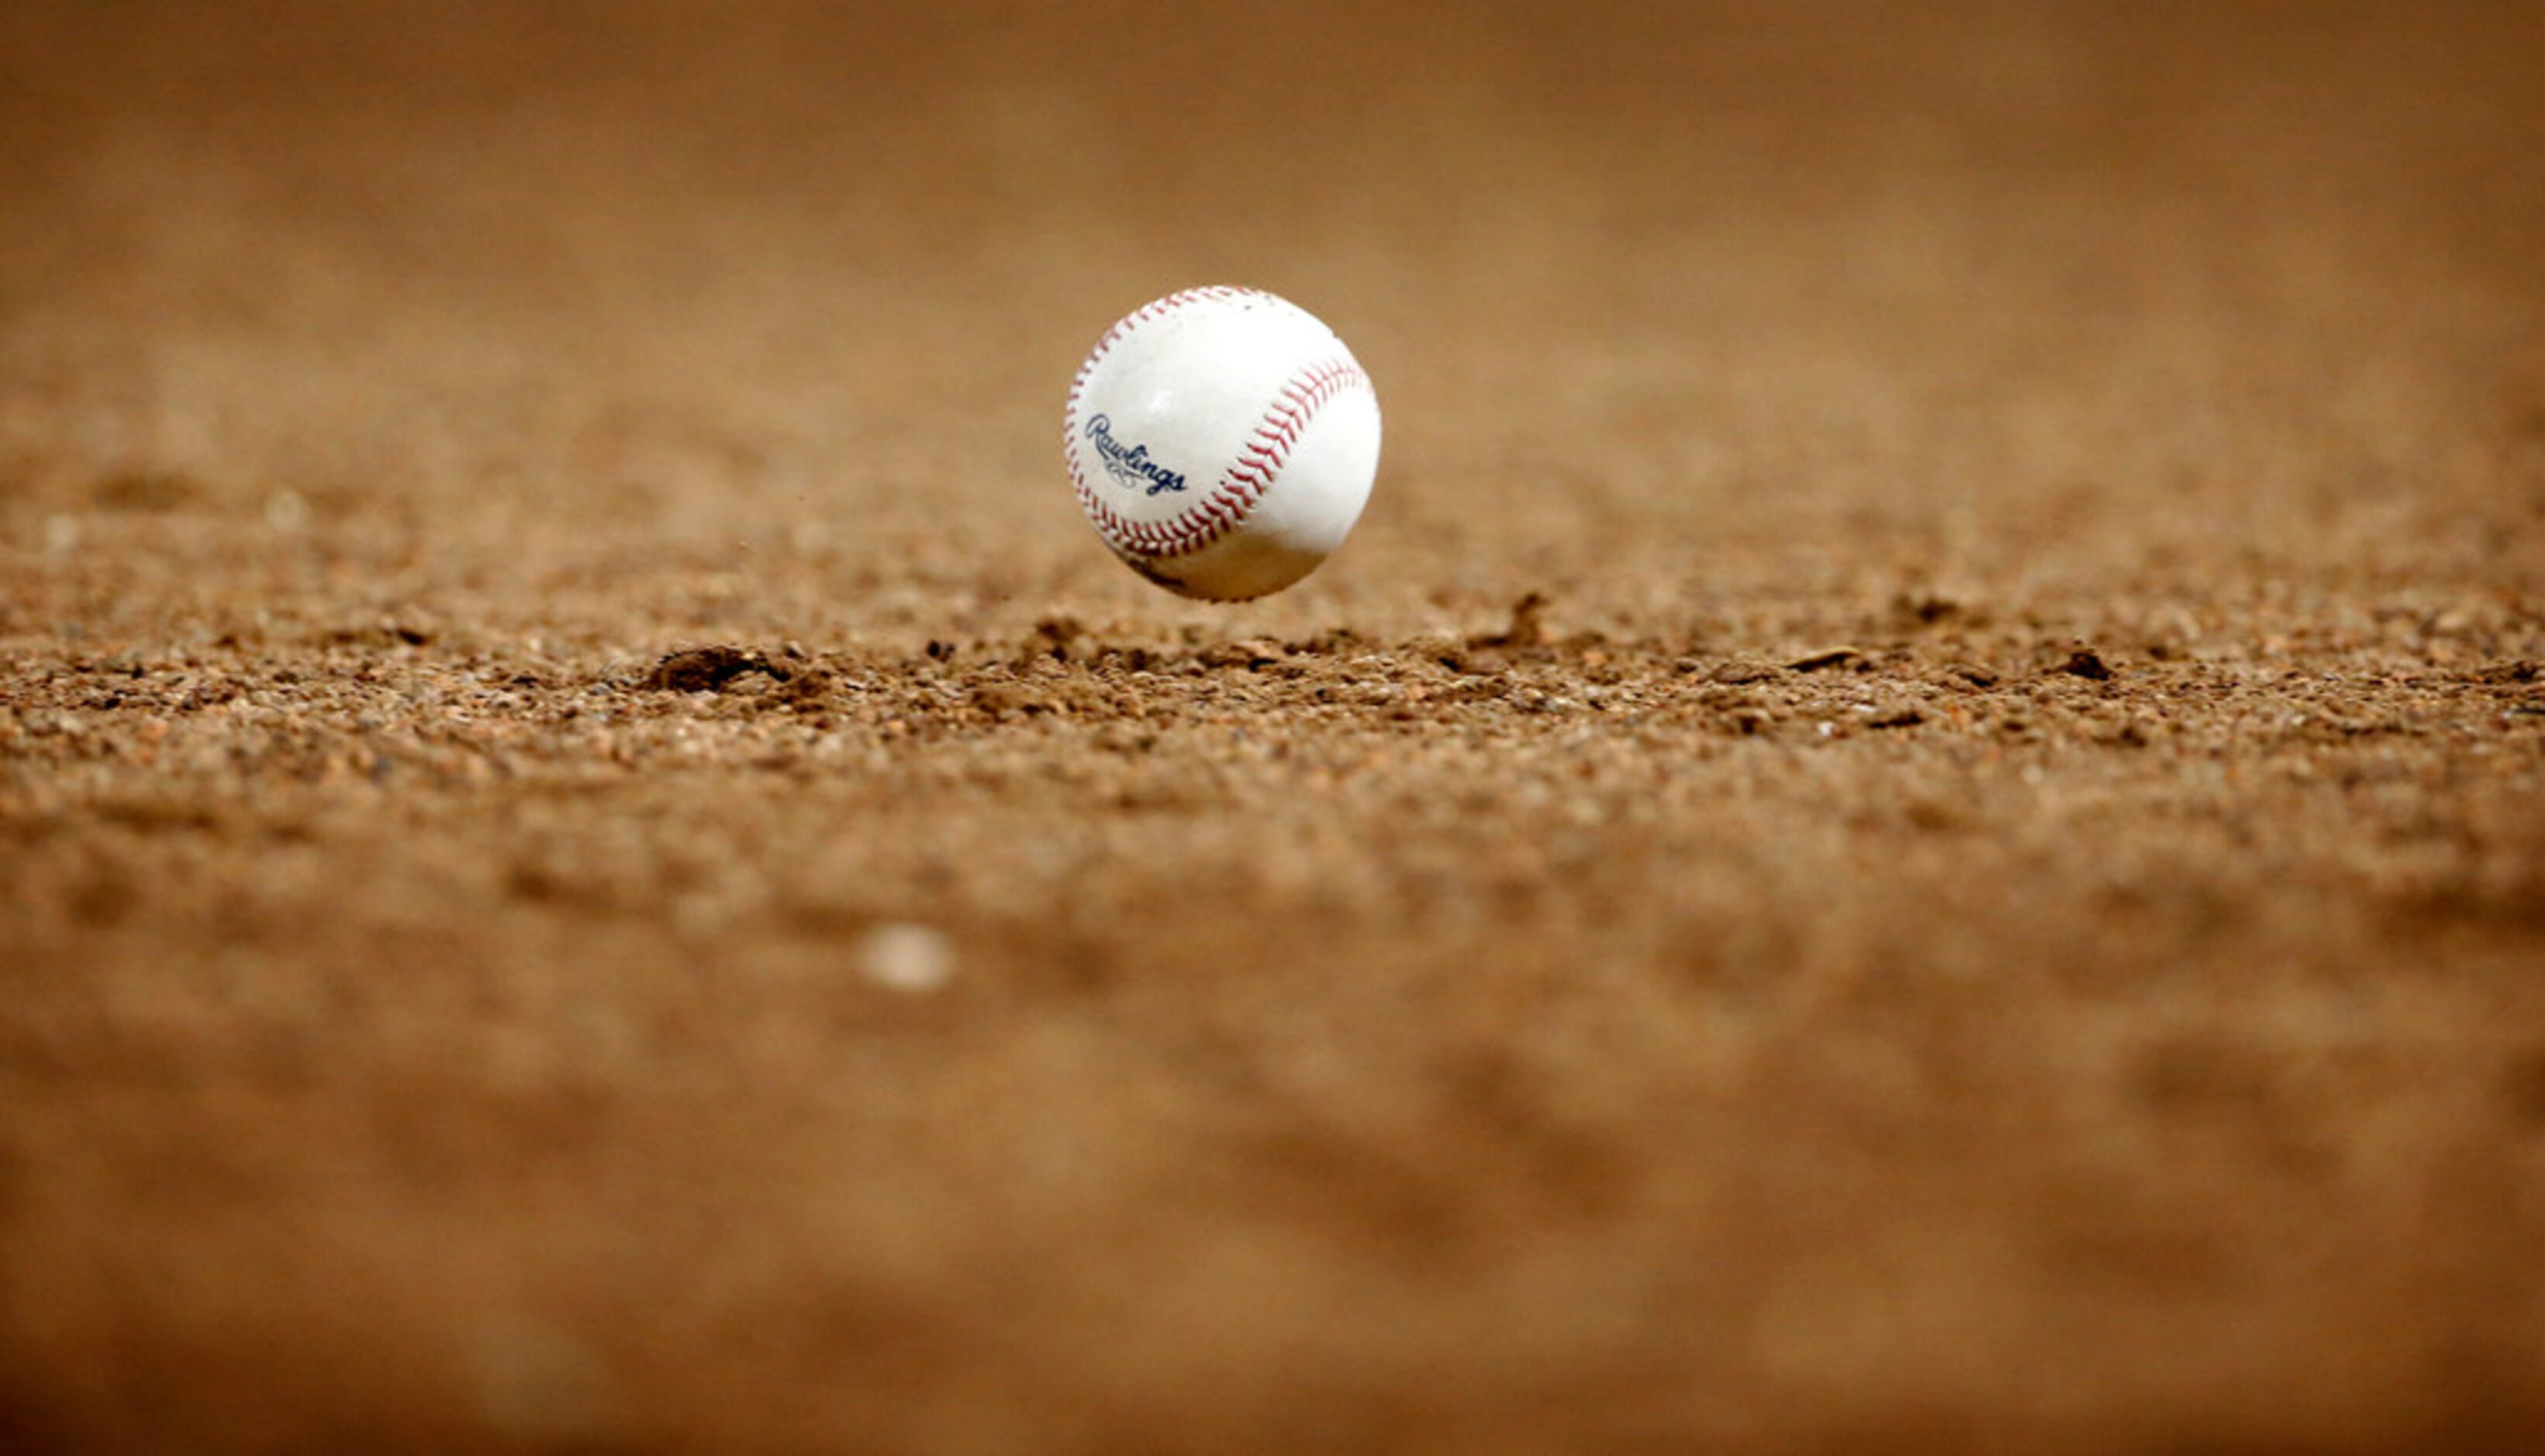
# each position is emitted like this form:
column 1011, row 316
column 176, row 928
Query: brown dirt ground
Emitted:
column 1917, row 818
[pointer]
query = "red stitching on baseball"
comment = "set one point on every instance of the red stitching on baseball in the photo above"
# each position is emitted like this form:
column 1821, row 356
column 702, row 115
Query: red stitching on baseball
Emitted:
column 1245, row 480
column 1235, row 495
column 1157, row 309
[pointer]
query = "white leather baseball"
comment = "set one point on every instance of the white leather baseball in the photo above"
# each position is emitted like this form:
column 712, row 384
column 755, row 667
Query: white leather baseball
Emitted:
column 1223, row 440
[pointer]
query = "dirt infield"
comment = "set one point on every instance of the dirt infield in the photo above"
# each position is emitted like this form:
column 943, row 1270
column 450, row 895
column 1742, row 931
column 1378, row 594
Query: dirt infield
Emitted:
column 1917, row 818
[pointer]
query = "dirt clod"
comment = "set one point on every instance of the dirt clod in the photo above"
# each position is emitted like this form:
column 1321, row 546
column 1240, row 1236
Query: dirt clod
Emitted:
column 1526, row 627
column 706, row 669
column 1835, row 657
column 2083, row 663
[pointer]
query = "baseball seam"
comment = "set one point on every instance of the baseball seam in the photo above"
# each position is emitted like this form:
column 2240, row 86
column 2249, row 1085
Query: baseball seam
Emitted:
column 1259, row 460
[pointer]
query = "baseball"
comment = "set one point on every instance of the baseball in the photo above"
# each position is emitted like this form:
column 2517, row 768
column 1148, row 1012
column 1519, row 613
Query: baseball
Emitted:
column 1222, row 441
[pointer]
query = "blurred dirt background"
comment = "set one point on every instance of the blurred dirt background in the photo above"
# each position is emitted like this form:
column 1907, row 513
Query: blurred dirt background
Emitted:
column 1916, row 820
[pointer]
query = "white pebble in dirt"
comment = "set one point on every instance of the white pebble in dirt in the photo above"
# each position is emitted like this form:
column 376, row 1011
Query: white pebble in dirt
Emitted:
column 900, row 956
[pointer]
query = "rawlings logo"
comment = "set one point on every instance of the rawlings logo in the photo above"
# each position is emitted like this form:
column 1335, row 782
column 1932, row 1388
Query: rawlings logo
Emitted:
column 1132, row 466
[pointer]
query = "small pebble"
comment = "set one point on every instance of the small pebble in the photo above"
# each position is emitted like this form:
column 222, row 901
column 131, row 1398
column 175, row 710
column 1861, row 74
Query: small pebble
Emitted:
column 899, row 956
column 286, row 511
